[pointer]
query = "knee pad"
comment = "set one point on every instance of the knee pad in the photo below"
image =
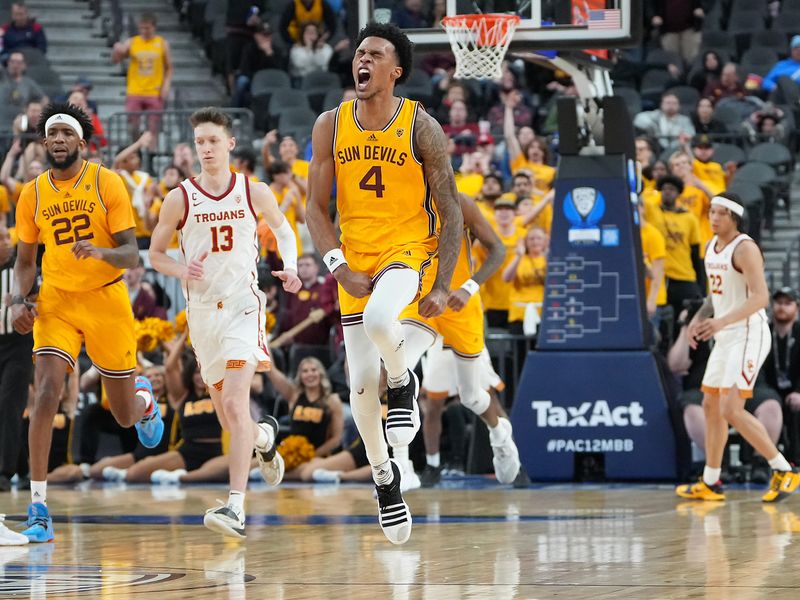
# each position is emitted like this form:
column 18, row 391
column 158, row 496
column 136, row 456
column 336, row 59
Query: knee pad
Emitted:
column 377, row 324
column 476, row 400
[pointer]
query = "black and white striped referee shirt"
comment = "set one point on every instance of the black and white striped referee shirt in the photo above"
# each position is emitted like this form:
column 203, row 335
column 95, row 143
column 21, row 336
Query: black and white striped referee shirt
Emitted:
column 6, row 285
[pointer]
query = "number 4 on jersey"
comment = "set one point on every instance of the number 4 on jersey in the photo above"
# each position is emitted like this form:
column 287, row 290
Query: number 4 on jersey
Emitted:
column 377, row 186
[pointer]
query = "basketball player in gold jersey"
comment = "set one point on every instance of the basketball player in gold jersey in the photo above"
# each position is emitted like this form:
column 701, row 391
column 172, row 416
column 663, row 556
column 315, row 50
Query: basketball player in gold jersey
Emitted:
column 461, row 326
column 82, row 213
column 389, row 159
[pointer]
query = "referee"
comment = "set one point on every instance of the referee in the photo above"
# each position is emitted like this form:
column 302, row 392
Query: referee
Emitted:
column 16, row 368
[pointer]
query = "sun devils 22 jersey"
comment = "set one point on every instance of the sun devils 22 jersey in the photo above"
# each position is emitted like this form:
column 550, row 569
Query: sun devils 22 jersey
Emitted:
column 225, row 227
column 382, row 196
column 92, row 206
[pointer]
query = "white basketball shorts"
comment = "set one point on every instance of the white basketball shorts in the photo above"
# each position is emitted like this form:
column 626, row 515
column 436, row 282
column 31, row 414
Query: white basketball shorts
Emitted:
column 736, row 358
column 439, row 372
column 229, row 335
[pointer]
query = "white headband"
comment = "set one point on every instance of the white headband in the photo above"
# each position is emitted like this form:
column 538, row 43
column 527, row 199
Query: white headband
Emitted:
column 67, row 120
column 732, row 206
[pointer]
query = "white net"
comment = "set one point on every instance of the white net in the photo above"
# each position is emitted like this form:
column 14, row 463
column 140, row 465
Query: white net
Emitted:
column 479, row 43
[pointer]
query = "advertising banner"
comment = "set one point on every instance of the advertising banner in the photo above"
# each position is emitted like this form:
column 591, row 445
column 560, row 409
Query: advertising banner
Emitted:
column 611, row 403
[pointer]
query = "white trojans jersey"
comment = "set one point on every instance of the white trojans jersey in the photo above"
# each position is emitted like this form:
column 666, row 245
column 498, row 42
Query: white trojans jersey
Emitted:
column 727, row 285
column 225, row 227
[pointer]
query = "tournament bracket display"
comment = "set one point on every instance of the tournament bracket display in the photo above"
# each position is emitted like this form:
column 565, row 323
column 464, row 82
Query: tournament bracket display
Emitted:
column 592, row 387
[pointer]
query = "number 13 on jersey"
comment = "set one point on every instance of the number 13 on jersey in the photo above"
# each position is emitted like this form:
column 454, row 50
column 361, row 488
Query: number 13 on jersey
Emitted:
column 222, row 238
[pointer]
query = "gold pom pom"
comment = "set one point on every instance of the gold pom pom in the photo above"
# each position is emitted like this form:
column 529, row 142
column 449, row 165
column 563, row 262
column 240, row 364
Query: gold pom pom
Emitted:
column 296, row 450
column 151, row 331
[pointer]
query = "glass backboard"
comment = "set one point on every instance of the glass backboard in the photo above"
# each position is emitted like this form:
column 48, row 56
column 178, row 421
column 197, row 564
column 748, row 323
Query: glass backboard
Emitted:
column 545, row 25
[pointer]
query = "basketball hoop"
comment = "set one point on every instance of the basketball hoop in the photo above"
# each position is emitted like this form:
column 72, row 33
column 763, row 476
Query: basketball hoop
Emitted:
column 479, row 43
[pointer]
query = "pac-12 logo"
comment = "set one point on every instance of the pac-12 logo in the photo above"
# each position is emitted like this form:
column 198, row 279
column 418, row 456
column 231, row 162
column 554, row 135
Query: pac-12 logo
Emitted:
column 584, row 207
column 588, row 414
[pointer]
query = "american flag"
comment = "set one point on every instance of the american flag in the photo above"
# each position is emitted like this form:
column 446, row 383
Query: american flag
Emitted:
column 605, row 19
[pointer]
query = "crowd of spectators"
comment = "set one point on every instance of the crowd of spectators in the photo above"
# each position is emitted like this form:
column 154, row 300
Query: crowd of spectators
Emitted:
column 700, row 119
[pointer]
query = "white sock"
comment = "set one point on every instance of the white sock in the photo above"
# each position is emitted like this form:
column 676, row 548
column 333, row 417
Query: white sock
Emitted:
column 236, row 501
column 497, row 434
column 148, row 400
column 265, row 437
column 39, row 491
column 401, row 456
column 383, row 474
column 433, row 459
column 711, row 476
column 397, row 382
column 779, row 463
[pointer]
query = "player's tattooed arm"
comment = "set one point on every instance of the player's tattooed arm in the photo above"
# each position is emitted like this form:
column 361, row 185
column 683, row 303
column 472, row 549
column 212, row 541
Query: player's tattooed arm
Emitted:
column 430, row 143
column 482, row 231
column 124, row 256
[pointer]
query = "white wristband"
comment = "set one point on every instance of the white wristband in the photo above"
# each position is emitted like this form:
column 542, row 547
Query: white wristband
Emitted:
column 470, row 287
column 334, row 259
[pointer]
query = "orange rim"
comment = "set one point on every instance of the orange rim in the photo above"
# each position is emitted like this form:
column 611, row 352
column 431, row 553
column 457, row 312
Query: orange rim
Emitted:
column 491, row 34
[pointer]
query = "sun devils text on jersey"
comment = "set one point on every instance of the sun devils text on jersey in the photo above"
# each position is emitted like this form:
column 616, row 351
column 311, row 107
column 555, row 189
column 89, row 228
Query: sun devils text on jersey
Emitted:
column 92, row 206
column 382, row 196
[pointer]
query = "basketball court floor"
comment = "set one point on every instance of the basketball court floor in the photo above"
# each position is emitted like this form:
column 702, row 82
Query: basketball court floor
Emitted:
column 471, row 539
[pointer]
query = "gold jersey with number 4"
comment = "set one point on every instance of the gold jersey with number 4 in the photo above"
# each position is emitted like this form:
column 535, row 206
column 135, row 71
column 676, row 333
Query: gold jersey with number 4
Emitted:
column 382, row 196
column 386, row 212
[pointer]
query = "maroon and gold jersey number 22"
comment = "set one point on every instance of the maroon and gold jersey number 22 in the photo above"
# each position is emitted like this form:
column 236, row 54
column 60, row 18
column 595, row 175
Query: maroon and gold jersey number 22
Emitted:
column 716, row 284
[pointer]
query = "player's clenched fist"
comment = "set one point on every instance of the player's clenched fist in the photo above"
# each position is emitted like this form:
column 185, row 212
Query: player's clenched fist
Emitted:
column 22, row 317
column 457, row 299
column 194, row 269
column 84, row 249
column 433, row 304
column 354, row 283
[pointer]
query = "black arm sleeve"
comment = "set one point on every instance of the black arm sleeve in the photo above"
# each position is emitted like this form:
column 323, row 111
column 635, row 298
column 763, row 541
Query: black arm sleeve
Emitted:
column 699, row 267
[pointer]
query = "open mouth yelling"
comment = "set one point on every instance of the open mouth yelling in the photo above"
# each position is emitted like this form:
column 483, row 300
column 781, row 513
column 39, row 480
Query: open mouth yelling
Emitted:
column 364, row 77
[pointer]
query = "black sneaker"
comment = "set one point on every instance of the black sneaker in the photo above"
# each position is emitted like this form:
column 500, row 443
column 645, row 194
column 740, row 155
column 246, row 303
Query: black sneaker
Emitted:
column 431, row 476
column 402, row 418
column 5, row 484
column 393, row 513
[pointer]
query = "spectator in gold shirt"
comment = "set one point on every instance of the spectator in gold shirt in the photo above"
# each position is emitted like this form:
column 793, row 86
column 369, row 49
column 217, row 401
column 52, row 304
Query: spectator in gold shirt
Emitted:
column 705, row 168
column 683, row 266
